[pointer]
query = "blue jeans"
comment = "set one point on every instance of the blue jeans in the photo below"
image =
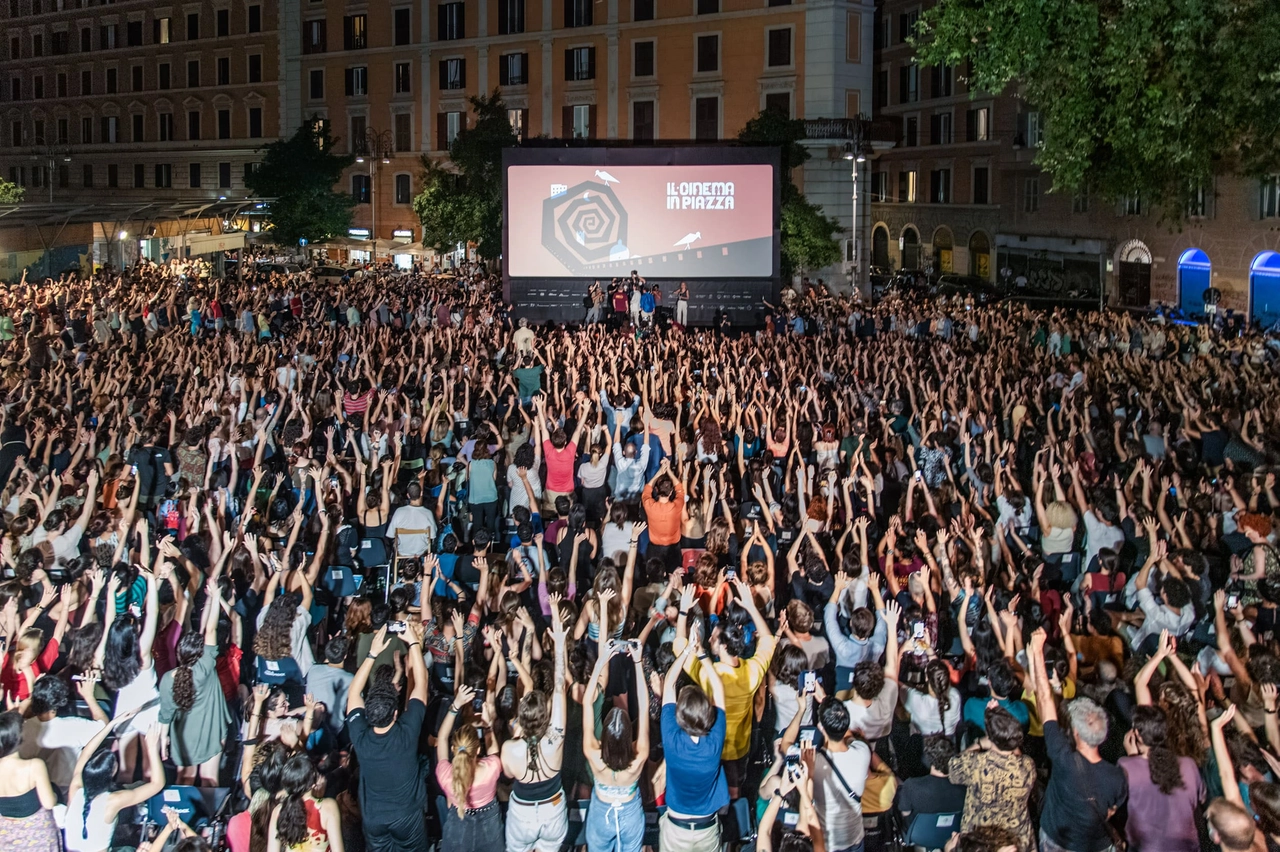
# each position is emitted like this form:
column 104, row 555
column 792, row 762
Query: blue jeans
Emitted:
column 614, row 826
column 858, row 848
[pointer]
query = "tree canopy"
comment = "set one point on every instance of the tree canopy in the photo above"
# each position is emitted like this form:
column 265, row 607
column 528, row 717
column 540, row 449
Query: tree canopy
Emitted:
column 809, row 238
column 1148, row 97
column 461, row 199
column 10, row 193
column 299, row 174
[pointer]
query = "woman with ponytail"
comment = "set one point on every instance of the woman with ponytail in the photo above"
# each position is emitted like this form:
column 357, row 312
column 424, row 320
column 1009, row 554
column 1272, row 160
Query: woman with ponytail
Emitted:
column 93, row 802
column 301, row 821
column 473, row 822
column 1165, row 790
column 193, row 710
column 936, row 711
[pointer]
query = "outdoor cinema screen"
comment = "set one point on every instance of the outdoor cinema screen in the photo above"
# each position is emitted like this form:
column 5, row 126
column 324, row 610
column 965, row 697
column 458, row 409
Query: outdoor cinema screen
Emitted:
column 677, row 220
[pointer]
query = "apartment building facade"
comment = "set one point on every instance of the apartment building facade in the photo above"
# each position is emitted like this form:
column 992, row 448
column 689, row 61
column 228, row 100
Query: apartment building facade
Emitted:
column 960, row 192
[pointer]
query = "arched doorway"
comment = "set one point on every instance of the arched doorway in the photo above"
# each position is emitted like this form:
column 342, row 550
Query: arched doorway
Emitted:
column 1194, row 275
column 980, row 255
column 880, row 247
column 1264, row 289
column 1134, row 273
column 910, row 245
column 943, row 250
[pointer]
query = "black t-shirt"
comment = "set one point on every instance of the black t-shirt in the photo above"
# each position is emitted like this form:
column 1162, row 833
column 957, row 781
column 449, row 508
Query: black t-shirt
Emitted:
column 151, row 475
column 391, row 785
column 1079, row 795
column 930, row 794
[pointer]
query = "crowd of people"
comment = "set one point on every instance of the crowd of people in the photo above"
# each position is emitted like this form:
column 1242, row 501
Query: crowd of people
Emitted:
column 375, row 566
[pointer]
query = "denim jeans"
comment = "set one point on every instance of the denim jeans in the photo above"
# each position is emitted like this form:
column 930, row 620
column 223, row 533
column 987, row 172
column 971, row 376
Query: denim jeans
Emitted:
column 479, row 831
column 615, row 826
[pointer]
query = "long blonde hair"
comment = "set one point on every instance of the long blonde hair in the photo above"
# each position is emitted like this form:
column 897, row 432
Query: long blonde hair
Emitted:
column 466, row 754
column 1060, row 515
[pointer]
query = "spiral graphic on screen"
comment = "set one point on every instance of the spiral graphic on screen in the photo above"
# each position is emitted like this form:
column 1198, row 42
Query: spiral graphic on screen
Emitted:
column 584, row 224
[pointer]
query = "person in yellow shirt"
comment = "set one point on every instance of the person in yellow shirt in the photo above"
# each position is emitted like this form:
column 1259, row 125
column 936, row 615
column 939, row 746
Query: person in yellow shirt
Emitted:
column 741, row 677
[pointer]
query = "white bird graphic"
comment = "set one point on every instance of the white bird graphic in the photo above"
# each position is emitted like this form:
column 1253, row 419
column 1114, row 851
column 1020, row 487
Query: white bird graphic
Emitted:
column 689, row 238
column 606, row 177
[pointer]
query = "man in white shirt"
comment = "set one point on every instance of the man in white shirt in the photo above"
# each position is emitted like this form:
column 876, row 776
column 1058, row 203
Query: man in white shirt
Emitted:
column 839, row 772
column 58, row 740
column 524, row 337
column 65, row 540
column 414, row 516
column 1175, row 614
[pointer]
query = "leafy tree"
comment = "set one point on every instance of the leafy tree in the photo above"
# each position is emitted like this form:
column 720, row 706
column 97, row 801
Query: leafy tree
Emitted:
column 809, row 239
column 461, row 199
column 1142, row 96
column 299, row 173
column 10, row 193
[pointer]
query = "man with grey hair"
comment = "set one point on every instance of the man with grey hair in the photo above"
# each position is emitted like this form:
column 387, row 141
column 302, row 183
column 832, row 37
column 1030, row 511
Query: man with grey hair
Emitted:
column 1084, row 790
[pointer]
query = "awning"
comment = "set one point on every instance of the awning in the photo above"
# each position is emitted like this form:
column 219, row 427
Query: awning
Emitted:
column 208, row 243
column 1059, row 245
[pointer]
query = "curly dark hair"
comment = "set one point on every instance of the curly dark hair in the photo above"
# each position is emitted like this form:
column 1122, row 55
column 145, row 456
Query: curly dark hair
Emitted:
column 190, row 648
column 1153, row 730
column 275, row 638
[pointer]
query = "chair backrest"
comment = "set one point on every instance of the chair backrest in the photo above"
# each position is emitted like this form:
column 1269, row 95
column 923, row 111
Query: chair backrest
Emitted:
column 188, row 802
column 932, row 831
column 739, row 823
column 340, row 581
column 401, row 533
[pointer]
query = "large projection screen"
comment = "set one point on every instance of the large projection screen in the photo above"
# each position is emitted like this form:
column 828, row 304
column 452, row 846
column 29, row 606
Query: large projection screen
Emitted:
column 672, row 213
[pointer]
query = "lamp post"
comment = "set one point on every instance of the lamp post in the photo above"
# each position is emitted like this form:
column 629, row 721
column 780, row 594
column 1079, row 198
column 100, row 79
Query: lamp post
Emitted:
column 52, row 154
column 376, row 147
column 857, row 150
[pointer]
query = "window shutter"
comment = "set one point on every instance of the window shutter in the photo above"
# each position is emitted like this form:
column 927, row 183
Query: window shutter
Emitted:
column 568, row 64
column 591, row 122
column 442, row 130
column 349, row 78
column 902, row 84
column 462, row 74
column 971, row 125
column 566, row 122
column 442, row 21
column 524, row 124
column 504, row 78
column 591, row 71
column 568, row 13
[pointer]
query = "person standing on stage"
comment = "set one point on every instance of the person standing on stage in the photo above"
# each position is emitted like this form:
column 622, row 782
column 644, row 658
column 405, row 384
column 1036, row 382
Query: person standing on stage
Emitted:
column 682, row 304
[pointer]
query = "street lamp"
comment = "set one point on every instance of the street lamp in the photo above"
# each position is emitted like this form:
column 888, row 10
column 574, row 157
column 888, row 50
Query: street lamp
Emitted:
column 856, row 151
column 52, row 154
column 375, row 148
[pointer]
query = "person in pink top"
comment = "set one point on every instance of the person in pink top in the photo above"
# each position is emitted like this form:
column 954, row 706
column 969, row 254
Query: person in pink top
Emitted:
column 473, row 822
column 560, row 453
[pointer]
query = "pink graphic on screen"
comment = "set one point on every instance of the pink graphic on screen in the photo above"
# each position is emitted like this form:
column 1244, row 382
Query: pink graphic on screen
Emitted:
column 708, row 221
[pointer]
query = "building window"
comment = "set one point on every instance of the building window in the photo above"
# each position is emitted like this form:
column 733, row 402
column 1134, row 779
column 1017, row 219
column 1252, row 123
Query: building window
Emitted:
column 255, row 122
column 453, row 74
column 15, row 88
column 1080, row 201
column 642, row 120
column 452, row 125
column 249, row 169
column 37, row 45
column 510, row 17
column 940, row 186
column 193, row 73
column 193, row 125
column 37, row 84
column 940, row 128
column 907, row 186
column 315, row 90
column 193, row 175
column 139, row 176
column 942, row 80
column 135, row 72
column 642, row 63
column 707, row 54
column 361, row 189
column 86, row 130
column 87, row 171
column 779, row 102
column 643, row 10
column 357, row 81
column 15, row 134
column 513, row 69
column 1198, row 203
column 578, row 13
column 224, row 70
column 133, row 34
column 139, row 127
column 355, row 34
column 907, row 24
column 1030, row 195
column 193, row 26
column 160, row 31
column 706, row 115
column 581, row 119
column 1268, row 197
column 113, row 176
column 879, row 186
column 518, row 119
column 404, row 77
column 359, row 132
column 402, row 124
column 224, row 175
column 881, row 34
column 779, row 48
column 162, row 75
column 978, row 124
column 313, row 36
column 708, row 7
column 453, row 21
column 86, row 39
column 107, row 37
column 166, row 126
column 402, row 26
column 224, row 124
column 911, row 132
column 64, row 131
column 164, row 176
column 255, row 67
column 223, row 20
column 255, row 18
column 404, row 189
column 1132, row 205
column 909, row 84
column 60, row 45
column 1032, row 131
column 580, row 63
column 981, row 185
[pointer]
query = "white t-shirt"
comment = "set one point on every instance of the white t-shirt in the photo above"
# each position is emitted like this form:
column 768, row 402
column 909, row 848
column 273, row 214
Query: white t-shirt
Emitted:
column 58, row 742
column 1099, row 535
column 874, row 720
column 924, row 712
column 839, row 813
column 413, row 518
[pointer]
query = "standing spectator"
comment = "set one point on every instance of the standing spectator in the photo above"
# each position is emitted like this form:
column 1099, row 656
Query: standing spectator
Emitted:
column 693, row 737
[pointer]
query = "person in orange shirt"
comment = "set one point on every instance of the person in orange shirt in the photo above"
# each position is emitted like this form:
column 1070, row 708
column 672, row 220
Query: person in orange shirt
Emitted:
column 663, row 502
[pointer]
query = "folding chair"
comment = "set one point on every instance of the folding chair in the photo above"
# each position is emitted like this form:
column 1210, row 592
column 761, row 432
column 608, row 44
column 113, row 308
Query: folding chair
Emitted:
column 402, row 557
column 932, row 831
column 737, row 827
column 577, row 814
